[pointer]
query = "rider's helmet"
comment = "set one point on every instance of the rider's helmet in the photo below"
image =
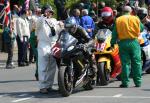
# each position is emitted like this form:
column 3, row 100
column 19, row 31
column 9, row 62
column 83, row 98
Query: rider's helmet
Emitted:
column 142, row 13
column 71, row 24
column 107, row 15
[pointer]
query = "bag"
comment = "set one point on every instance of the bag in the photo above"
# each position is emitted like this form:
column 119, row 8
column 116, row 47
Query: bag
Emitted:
column 52, row 29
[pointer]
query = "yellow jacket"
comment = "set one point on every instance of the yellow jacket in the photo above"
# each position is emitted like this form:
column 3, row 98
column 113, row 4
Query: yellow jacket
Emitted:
column 128, row 27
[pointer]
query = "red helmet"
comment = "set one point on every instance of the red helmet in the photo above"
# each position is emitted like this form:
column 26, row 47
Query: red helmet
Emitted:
column 107, row 15
column 106, row 11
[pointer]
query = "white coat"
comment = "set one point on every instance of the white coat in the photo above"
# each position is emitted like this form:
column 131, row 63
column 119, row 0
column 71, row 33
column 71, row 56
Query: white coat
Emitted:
column 46, row 63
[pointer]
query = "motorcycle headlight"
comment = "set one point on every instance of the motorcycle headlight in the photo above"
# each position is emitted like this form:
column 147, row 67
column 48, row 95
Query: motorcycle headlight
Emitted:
column 70, row 48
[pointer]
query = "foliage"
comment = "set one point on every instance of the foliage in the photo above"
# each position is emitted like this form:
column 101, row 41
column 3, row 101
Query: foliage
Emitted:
column 1, row 31
column 110, row 3
column 69, row 3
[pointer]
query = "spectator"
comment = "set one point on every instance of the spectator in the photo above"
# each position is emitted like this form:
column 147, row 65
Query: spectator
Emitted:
column 46, row 32
column 87, row 22
column 147, row 2
column 101, row 5
column 76, row 15
column 119, row 9
column 129, row 47
column 60, row 5
column 80, row 6
column 31, row 53
column 15, row 14
column 94, row 16
column 87, row 4
column 33, row 37
column 15, row 10
column 23, row 34
column 93, row 8
column 143, row 15
column 9, row 38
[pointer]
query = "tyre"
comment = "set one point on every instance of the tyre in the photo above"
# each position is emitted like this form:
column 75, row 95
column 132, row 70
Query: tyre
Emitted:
column 119, row 77
column 148, row 71
column 103, row 74
column 143, row 59
column 65, row 81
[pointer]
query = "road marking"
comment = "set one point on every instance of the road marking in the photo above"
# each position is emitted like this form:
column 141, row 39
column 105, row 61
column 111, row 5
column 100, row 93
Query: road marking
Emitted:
column 122, row 97
column 22, row 99
column 3, row 95
column 118, row 95
column 23, row 95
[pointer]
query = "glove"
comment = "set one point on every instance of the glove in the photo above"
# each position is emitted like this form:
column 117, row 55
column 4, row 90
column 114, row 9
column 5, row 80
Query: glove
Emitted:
column 81, row 46
column 110, row 48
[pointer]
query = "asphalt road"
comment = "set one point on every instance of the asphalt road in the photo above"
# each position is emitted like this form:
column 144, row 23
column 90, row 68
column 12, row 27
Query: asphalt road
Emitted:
column 19, row 86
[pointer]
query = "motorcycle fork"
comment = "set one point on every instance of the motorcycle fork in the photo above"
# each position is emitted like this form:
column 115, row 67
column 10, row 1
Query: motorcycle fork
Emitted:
column 70, row 71
column 108, row 62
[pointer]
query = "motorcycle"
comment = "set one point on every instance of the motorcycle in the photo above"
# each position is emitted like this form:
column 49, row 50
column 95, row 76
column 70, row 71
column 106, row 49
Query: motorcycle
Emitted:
column 74, row 69
column 108, row 60
column 144, row 40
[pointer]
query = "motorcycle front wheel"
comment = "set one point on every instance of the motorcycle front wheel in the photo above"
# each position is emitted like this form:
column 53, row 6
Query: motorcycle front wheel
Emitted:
column 102, row 73
column 65, row 81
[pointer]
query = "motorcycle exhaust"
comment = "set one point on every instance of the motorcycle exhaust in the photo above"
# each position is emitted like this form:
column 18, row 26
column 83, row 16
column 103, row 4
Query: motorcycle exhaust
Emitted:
column 80, row 82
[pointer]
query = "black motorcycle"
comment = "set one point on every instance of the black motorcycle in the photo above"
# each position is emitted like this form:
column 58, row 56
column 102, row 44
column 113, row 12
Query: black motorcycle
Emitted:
column 74, row 69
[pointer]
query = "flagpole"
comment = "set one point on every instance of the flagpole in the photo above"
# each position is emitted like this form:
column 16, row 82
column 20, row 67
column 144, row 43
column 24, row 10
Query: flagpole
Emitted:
column 97, row 6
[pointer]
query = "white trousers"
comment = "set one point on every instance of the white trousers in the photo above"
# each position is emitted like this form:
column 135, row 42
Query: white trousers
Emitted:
column 46, row 70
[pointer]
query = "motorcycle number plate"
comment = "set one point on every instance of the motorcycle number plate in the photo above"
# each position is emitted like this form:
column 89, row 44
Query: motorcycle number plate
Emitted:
column 56, row 51
column 100, row 46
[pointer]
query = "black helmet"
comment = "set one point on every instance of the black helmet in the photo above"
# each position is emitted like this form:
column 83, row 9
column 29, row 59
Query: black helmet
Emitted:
column 70, row 22
column 142, row 13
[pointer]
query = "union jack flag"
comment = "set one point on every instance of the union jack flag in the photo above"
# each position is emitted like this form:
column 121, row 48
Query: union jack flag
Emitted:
column 5, row 13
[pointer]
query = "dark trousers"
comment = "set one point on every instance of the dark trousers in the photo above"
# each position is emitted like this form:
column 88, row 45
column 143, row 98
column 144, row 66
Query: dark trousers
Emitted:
column 31, row 55
column 22, row 49
column 3, row 44
column 10, row 46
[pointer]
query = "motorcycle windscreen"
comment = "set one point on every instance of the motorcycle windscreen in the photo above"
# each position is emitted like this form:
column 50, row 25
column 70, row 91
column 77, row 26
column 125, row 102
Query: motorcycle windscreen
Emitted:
column 102, row 34
column 67, row 40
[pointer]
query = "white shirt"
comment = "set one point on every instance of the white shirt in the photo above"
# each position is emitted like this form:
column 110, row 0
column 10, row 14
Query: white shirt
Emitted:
column 22, row 27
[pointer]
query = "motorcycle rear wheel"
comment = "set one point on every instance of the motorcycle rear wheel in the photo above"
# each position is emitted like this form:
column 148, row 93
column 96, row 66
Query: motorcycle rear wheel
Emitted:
column 65, row 81
column 148, row 71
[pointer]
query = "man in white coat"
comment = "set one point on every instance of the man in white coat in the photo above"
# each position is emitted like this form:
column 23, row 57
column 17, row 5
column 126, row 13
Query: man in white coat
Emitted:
column 46, row 37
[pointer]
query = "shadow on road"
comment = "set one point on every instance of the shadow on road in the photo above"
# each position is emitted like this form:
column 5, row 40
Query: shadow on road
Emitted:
column 4, row 61
column 37, row 94
column 105, row 87
column 9, row 81
column 146, row 89
column 34, row 94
